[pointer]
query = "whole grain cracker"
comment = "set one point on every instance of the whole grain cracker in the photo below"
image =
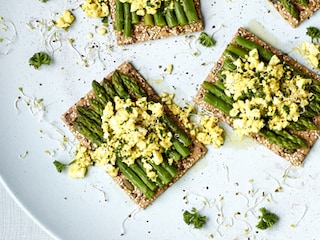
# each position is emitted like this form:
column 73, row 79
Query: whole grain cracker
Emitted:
column 310, row 136
column 305, row 12
column 142, row 33
column 198, row 150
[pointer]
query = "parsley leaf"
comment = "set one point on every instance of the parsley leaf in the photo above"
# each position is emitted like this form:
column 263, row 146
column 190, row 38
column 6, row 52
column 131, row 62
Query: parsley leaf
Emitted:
column 206, row 40
column 38, row 59
column 194, row 218
column 314, row 33
column 59, row 165
column 267, row 219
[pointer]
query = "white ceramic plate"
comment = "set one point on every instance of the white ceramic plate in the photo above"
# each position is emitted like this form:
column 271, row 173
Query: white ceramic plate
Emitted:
column 229, row 185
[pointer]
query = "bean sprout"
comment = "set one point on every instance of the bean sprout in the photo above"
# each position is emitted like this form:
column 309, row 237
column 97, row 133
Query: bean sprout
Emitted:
column 8, row 35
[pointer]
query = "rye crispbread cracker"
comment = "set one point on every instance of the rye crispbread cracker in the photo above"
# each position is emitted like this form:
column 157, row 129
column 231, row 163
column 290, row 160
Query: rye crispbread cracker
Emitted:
column 198, row 150
column 305, row 12
column 310, row 136
column 142, row 33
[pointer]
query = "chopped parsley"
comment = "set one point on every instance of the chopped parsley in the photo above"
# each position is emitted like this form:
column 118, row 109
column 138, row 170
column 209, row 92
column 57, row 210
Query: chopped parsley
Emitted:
column 61, row 166
column 206, row 40
column 267, row 219
column 39, row 59
column 314, row 33
column 194, row 218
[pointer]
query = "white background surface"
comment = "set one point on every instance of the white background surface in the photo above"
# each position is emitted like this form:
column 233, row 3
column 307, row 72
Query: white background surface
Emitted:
column 239, row 178
column 15, row 223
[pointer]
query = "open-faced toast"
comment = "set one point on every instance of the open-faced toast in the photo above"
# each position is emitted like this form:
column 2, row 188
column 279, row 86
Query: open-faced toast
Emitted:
column 197, row 149
column 298, row 12
column 141, row 31
column 295, row 156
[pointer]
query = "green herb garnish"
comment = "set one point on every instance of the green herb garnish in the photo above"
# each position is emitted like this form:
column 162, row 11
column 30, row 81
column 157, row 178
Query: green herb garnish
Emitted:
column 314, row 33
column 61, row 166
column 206, row 40
column 194, row 218
column 38, row 59
column 267, row 219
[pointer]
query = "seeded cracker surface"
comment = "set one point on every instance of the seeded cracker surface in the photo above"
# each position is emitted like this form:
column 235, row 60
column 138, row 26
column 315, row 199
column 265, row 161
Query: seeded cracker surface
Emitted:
column 143, row 33
column 198, row 150
column 310, row 136
column 305, row 12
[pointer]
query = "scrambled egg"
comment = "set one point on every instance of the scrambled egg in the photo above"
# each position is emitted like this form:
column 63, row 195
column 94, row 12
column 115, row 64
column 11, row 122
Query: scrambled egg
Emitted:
column 65, row 20
column 264, row 94
column 206, row 129
column 209, row 132
column 311, row 52
column 96, row 8
column 82, row 160
column 132, row 131
column 142, row 7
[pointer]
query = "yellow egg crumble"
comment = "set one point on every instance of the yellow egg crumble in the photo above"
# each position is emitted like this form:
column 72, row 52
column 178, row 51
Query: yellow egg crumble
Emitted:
column 82, row 160
column 142, row 7
column 96, row 8
column 65, row 20
column 264, row 94
column 206, row 129
column 311, row 52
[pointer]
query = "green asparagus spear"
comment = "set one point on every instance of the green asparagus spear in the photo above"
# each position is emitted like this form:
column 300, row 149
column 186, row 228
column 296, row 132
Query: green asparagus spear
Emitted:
column 314, row 106
column 127, row 24
column 179, row 133
column 142, row 175
column 190, row 11
column 296, row 126
column 108, row 86
column 278, row 140
column 219, row 83
column 87, row 133
column 119, row 15
column 309, row 124
column 158, row 182
column 100, row 93
column 217, row 103
column 87, row 112
column 246, row 43
column 96, row 106
column 171, row 18
column 237, row 50
column 173, row 171
column 291, row 8
column 134, row 179
column 118, row 86
column 159, row 19
column 135, row 19
column 180, row 148
column 181, row 16
column 132, row 86
column 304, row 3
column 172, row 153
column 91, row 125
column 217, row 91
column 294, row 138
column 148, row 20
column 228, row 65
column 162, row 173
